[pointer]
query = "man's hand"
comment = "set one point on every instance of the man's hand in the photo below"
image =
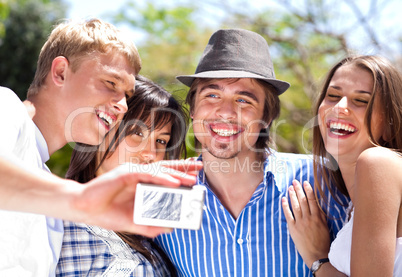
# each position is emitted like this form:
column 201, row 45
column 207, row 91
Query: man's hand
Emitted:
column 108, row 201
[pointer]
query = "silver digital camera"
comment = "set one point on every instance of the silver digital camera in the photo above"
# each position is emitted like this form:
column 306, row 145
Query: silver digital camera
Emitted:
column 169, row 207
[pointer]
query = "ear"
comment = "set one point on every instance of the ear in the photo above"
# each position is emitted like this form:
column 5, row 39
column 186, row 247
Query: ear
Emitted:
column 58, row 70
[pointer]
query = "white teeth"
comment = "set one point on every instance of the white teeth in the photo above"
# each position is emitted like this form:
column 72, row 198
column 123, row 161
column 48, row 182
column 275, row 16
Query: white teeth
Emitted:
column 336, row 126
column 225, row 133
column 106, row 118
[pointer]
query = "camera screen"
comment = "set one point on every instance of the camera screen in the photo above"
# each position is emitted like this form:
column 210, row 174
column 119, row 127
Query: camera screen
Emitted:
column 162, row 205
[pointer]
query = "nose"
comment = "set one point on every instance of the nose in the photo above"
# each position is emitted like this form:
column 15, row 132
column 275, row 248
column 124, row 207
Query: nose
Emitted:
column 342, row 106
column 121, row 105
column 226, row 109
column 148, row 153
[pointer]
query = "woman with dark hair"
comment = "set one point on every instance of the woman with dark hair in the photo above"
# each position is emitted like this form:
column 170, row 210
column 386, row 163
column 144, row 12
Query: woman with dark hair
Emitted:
column 153, row 129
column 357, row 146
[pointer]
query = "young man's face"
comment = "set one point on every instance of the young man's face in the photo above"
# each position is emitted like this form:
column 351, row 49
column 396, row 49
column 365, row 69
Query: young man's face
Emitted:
column 227, row 117
column 95, row 96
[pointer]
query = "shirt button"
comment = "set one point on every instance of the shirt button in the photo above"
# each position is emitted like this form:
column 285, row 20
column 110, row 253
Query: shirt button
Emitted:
column 239, row 241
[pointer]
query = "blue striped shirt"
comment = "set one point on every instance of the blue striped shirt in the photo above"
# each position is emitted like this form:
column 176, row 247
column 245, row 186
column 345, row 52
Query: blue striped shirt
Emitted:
column 257, row 243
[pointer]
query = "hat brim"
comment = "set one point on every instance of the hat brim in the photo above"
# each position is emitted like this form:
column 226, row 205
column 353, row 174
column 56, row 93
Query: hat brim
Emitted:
column 281, row 86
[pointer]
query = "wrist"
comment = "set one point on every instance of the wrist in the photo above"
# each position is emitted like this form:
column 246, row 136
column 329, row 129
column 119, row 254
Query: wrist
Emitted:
column 62, row 197
column 317, row 265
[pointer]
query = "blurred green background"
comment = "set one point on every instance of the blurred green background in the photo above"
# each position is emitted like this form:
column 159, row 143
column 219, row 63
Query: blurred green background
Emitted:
column 305, row 38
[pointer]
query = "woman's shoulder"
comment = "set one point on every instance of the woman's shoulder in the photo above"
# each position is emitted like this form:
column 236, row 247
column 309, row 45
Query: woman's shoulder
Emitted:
column 379, row 154
column 378, row 176
column 379, row 159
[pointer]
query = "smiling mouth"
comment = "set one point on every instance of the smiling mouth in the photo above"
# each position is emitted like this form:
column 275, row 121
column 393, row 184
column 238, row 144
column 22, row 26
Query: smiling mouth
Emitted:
column 225, row 132
column 341, row 129
column 108, row 120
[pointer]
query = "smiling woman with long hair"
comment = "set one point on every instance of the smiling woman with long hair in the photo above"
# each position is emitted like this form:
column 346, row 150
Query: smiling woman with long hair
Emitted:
column 357, row 147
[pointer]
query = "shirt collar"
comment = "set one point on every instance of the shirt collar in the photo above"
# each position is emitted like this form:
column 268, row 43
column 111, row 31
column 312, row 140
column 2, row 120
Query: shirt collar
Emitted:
column 202, row 180
column 41, row 145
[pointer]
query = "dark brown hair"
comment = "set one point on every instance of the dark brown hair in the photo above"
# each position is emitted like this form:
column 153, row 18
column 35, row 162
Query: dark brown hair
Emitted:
column 388, row 90
column 150, row 106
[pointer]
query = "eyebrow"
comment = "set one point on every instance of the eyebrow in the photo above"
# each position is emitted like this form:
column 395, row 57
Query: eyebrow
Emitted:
column 359, row 91
column 364, row 92
column 166, row 134
column 248, row 94
column 121, row 80
column 211, row 86
column 112, row 74
column 242, row 92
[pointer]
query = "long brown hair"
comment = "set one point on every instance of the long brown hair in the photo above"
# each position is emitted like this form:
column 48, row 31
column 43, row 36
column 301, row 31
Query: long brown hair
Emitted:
column 388, row 90
column 150, row 102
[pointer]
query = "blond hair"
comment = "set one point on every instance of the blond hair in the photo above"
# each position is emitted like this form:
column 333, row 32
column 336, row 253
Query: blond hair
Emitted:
column 75, row 40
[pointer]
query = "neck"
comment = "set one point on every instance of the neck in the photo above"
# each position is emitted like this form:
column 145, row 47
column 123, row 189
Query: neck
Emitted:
column 46, row 116
column 233, row 180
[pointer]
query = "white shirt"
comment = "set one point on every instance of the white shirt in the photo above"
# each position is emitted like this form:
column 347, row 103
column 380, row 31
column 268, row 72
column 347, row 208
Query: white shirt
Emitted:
column 30, row 244
column 341, row 248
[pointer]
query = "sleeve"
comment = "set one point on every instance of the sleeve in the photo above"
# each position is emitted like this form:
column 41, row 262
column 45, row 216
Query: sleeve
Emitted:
column 337, row 208
column 12, row 113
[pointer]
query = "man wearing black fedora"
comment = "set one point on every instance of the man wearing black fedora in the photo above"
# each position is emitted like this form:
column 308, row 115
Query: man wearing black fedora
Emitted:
column 233, row 98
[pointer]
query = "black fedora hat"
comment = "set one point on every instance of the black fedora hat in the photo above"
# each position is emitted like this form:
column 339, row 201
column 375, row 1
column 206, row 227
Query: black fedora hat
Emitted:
column 236, row 53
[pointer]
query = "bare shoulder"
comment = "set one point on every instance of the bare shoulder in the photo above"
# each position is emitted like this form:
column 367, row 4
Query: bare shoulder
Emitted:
column 378, row 155
column 379, row 159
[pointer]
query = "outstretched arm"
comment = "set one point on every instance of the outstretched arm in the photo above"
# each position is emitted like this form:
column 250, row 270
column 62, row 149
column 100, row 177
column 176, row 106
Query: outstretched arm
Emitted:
column 106, row 201
column 308, row 228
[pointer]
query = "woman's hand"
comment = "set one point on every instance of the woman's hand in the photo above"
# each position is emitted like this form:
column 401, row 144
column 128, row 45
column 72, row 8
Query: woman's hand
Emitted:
column 307, row 224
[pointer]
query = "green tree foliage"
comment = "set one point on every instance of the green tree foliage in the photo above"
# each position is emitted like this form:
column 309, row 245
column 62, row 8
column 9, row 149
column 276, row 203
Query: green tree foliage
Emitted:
column 26, row 25
column 4, row 11
column 305, row 39
column 172, row 39
column 60, row 160
column 172, row 45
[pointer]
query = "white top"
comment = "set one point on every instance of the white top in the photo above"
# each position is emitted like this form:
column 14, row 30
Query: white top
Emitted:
column 30, row 244
column 341, row 248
